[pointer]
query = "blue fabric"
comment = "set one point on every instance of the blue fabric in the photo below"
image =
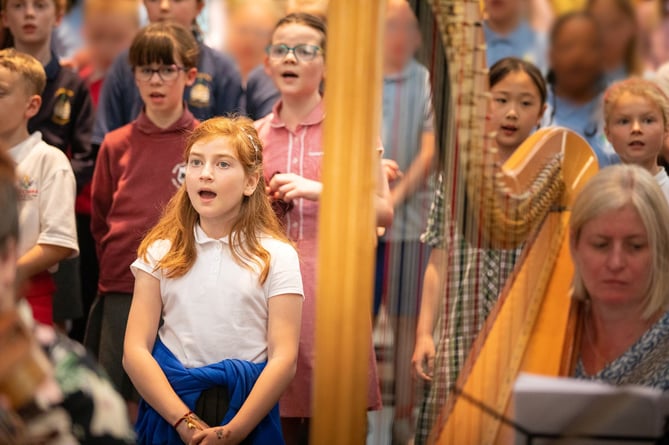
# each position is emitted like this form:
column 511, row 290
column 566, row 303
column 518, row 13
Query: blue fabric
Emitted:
column 523, row 43
column 217, row 91
column 238, row 376
column 407, row 114
column 261, row 94
column 585, row 119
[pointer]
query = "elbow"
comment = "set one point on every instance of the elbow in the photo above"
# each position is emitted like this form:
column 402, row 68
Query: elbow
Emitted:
column 384, row 215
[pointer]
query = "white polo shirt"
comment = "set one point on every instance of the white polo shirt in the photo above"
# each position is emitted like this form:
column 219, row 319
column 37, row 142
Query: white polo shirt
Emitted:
column 218, row 310
column 663, row 181
column 47, row 190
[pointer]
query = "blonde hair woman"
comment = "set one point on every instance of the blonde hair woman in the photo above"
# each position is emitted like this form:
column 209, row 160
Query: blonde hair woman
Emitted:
column 620, row 246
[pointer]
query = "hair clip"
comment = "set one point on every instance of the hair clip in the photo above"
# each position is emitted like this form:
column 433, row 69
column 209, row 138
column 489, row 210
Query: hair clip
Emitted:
column 253, row 143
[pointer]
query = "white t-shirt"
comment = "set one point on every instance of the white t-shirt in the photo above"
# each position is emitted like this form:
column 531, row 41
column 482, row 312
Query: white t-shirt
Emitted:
column 218, row 310
column 47, row 190
column 663, row 181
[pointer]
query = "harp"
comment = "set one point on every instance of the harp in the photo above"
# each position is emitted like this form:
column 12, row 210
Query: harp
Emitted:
column 525, row 202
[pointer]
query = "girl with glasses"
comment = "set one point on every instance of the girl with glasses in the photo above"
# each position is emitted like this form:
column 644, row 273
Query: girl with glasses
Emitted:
column 216, row 90
column 139, row 168
column 292, row 135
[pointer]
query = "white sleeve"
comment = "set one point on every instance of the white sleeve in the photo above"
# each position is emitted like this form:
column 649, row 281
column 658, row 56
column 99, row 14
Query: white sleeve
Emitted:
column 58, row 225
column 155, row 253
column 284, row 275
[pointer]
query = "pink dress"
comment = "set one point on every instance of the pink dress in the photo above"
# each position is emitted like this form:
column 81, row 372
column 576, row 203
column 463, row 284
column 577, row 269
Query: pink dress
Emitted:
column 301, row 152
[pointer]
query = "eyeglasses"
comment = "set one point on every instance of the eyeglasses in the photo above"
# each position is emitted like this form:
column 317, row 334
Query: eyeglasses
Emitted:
column 302, row 52
column 166, row 73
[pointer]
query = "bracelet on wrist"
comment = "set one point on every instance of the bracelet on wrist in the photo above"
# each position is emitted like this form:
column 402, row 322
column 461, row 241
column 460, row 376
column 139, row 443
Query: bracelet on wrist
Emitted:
column 188, row 417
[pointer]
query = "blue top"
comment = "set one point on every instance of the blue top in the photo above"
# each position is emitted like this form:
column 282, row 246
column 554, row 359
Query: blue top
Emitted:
column 646, row 362
column 216, row 91
column 523, row 43
column 66, row 118
column 407, row 114
column 585, row 119
column 261, row 94
column 238, row 376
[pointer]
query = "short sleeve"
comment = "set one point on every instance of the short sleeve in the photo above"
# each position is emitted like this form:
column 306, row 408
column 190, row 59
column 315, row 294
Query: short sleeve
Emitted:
column 154, row 254
column 434, row 233
column 284, row 276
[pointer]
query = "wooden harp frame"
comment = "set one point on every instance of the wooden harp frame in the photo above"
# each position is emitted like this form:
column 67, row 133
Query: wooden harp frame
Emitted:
column 540, row 180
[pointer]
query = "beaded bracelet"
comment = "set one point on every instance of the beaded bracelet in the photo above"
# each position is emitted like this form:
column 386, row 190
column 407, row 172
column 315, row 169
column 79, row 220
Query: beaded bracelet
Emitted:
column 188, row 417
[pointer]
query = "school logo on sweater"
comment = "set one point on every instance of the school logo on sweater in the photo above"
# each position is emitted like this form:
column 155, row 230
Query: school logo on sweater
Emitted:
column 179, row 174
column 62, row 108
column 27, row 188
column 200, row 93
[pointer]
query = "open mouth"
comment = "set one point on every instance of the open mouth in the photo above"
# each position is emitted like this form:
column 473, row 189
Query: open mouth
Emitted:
column 289, row 75
column 636, row 144
column 509, row 128
column 156, row 95
column 206, row 194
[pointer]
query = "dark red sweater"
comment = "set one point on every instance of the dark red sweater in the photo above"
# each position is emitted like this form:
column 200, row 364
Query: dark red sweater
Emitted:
column 138, row 170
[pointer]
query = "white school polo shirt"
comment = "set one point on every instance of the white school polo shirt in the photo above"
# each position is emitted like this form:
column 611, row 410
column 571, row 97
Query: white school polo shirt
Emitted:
column 663, row 181
column 218, row 310
column 47, row 190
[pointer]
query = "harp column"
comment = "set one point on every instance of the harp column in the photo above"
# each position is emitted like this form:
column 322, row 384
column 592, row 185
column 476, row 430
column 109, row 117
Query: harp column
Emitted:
column 347, row 221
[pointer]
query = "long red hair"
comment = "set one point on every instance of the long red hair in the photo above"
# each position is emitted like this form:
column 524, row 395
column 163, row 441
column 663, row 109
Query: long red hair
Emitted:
column 256, row 217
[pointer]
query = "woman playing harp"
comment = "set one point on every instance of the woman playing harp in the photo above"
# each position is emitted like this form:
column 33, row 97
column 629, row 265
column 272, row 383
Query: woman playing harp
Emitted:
column 475, row 276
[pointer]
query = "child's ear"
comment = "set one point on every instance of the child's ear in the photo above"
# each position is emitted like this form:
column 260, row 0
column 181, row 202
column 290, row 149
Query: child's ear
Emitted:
column 191, row 75
column 33, row 105
column 541, row 114
column 251, row 183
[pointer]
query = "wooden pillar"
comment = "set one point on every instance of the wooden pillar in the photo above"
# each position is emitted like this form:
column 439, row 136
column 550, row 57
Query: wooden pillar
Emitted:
column 347, row 221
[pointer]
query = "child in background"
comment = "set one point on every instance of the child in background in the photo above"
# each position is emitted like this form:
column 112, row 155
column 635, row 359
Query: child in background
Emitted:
column 576, row 81
column 139, row 168
column 261, row 94
column 75, row 403
column 518, row 95
column 66, row 116
column 618, row 26
column 216, row 91
column 65, row 120
column 408, row 141
column 250, row 25
column 292, row 135
column 509, row 34
column 108, row 29
column 46, row 182
column 220, row 217
column 636, row 113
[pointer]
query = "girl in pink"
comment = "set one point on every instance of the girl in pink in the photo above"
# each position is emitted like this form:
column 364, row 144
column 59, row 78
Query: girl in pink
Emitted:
column 292, row 135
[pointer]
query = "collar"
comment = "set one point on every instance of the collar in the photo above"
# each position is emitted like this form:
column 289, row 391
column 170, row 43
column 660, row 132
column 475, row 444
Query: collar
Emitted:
column 402, row 75
column 21, row 150
column 314, row 117
column 53, row 67
column 202, row 238
column 520, row 33
column 146, row 126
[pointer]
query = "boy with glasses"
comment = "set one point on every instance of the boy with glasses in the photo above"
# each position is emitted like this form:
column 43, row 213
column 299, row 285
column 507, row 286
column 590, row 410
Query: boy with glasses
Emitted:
column 139, row 168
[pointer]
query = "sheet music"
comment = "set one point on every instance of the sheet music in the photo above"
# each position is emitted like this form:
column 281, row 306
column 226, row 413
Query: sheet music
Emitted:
column 566, row 406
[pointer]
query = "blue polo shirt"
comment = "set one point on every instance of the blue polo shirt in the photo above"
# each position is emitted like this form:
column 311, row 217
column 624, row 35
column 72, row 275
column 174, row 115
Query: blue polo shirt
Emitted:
column 407, row 114
column 217, row 91
column 523, row 43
